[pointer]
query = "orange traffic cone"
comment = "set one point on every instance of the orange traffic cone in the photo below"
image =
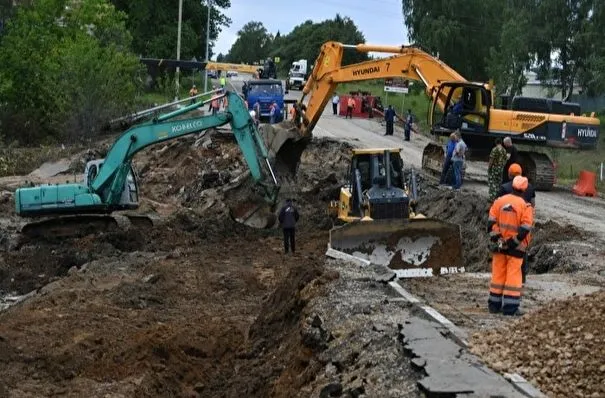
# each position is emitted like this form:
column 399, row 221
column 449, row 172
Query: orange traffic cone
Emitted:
column 585, row 186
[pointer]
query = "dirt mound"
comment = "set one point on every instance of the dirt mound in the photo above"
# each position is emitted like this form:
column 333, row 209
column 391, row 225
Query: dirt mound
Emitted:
column 562, row 351
column 466, row 210
column 550, row 249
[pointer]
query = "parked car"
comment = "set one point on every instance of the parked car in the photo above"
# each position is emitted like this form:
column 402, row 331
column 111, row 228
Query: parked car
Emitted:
column 231, row 73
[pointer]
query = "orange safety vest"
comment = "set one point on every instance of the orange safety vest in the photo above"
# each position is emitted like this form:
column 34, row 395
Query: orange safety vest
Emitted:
column 351, row 102
column 510, row 215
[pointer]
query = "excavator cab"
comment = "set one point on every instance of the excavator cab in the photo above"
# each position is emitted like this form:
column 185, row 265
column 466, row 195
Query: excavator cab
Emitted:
column 377, row 207
column 466, row 106
column 130, row 193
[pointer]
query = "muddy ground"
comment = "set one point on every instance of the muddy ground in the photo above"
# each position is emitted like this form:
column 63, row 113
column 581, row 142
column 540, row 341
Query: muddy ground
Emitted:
column 199, row 305
column 203, row 306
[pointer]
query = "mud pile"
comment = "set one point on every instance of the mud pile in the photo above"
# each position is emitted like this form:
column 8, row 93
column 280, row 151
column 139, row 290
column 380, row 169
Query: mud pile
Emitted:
column 562, row 351
column 550, row 250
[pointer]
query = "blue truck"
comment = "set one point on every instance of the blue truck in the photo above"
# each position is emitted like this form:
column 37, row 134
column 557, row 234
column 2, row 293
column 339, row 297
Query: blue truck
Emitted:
column 265, row 91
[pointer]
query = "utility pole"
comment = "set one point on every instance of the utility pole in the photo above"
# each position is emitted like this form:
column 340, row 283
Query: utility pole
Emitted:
column 207, row 44
column 178, row 51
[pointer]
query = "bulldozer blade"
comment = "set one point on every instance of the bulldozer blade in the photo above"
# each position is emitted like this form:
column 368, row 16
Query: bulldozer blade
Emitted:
column 411, row 248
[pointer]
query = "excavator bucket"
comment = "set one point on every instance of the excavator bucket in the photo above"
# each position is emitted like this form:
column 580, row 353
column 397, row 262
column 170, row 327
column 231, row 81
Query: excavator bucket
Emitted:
column 285, row 145
column 411, row 248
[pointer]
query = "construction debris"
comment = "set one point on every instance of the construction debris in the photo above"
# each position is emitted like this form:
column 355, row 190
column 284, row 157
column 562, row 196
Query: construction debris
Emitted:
column 558, row 348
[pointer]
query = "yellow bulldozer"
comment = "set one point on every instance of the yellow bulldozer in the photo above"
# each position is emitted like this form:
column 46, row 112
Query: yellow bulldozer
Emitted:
column 378, row 209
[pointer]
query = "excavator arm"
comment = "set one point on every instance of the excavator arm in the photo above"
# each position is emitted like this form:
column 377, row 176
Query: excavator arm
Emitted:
column 243, row 68
column 105, row 190
column 409, row 62
column 110, row 180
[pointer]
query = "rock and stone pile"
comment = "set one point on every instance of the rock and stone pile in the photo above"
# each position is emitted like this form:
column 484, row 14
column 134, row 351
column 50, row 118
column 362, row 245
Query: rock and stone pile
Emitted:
column 562, row 347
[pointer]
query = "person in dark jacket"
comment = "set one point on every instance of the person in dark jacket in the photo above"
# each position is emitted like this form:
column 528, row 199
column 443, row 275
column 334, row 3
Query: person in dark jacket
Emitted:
column 389, row 117
column 513, row 158
column 447, row 161
column 288, row 217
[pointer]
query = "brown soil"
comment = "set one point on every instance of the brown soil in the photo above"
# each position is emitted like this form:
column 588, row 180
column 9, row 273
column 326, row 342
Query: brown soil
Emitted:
column 470, row 211
column 562, row 350
column 199, row 305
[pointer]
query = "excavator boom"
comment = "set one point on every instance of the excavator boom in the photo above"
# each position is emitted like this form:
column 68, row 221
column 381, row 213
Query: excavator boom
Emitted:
column 110, row 184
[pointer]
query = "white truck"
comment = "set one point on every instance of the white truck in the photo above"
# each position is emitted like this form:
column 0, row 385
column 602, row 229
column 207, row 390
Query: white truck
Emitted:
column 297, row 77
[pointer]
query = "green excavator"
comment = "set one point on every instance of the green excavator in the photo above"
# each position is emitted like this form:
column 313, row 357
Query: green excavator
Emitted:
column 110, row 191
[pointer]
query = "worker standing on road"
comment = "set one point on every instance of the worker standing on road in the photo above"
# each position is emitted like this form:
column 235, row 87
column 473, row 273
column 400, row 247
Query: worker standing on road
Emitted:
column 335, row 101
column 350, row 107
column 529, row 195
column 497, row 160
column 409, row 120
column 510, row 224
column 223, row 82
column 447, row 161
column 513, row 157
column 458, row 158
column 288, row 217
column 389, row 118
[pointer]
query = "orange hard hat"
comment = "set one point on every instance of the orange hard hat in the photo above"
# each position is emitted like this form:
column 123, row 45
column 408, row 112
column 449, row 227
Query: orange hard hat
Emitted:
column 520, row 183
column 515, row 170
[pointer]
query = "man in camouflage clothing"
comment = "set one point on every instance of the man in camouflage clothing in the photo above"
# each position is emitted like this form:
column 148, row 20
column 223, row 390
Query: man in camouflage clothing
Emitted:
column 497, row 160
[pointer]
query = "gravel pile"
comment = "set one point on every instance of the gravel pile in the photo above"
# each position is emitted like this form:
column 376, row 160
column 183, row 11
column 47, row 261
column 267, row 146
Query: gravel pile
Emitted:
column 560, row 348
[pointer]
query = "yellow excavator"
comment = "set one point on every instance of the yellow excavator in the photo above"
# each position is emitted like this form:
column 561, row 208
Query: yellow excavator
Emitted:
column 535, row 122
column 368, row 203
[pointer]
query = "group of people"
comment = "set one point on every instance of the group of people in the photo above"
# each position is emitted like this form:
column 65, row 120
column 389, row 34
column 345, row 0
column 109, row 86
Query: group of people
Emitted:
column 455, row 156
column 510, row 227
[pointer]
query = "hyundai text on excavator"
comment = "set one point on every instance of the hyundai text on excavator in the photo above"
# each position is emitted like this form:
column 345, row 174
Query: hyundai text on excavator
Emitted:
column 110, row 185
column 479, row 123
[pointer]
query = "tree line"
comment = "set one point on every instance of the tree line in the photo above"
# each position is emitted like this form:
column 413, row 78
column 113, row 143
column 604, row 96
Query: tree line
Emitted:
column 562, row 41
column 67, row 67
column 254, row 43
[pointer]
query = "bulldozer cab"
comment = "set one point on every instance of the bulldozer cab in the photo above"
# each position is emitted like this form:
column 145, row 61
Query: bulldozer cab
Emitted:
column 466, row 107
column 374, row 172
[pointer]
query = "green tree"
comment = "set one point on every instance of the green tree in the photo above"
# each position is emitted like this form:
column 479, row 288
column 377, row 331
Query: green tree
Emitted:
column 61, row 64
column 220, row 57
column 564, row 28
column 306, row 39
column 511, row 55
column 460, row 32
column 154, row 26
column 253, row 44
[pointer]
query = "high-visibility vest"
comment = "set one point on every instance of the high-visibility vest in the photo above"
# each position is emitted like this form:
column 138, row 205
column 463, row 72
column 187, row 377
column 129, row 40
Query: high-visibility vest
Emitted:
column 510, row 214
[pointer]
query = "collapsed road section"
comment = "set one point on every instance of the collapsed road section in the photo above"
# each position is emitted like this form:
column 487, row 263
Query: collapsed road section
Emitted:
column 201, row 305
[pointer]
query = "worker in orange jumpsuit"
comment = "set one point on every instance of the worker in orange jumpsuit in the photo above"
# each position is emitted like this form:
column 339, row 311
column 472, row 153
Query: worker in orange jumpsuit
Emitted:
column 510, row 224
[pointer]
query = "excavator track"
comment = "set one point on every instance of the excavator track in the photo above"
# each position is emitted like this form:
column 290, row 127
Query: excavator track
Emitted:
column 70, row 226
column 539, row 170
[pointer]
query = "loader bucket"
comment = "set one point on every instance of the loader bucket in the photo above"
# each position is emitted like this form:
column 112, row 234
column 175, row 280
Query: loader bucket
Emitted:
column 411, row 248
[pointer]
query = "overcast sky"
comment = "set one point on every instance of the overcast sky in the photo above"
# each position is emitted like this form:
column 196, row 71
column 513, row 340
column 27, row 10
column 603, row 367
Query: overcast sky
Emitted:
column 380, row 21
